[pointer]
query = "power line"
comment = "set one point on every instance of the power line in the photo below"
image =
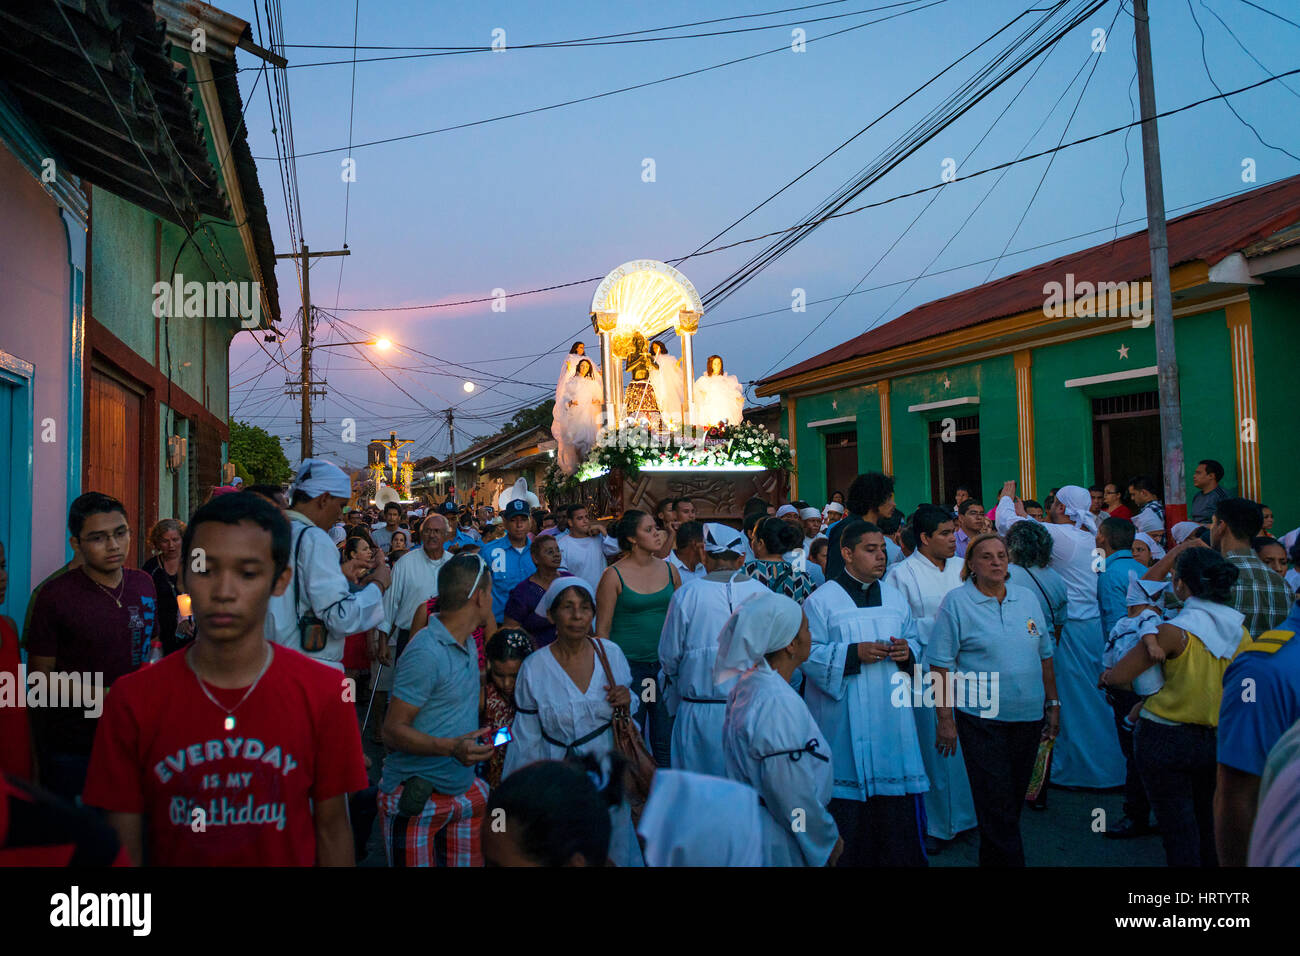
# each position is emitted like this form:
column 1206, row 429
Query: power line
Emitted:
column 596, row 96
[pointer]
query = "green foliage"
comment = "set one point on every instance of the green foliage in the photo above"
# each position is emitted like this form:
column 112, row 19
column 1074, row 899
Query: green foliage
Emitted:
column 257, row 455
column 530, row 418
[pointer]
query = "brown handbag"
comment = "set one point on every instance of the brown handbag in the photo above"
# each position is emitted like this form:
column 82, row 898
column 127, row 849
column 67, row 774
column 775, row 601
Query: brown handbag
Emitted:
column 629, row 742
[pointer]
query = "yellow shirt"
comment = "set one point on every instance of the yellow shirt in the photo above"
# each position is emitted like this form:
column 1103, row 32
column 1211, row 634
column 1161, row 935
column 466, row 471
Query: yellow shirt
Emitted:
column 1193, row 685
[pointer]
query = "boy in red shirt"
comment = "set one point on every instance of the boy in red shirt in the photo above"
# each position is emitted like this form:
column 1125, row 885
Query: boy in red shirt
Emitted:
column 234, row 751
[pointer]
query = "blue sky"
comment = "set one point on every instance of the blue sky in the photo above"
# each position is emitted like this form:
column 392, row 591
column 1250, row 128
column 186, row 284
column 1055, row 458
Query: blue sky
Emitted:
column 558, row 196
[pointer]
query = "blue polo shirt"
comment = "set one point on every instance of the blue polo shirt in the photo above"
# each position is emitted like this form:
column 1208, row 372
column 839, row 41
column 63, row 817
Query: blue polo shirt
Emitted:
column 976, row 634
column 509, row 566
column 439, row 675
column 1112, row 587
column 1261, row 696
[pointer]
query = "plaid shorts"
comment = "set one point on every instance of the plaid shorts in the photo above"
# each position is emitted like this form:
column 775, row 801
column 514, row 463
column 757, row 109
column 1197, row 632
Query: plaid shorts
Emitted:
column 444, row 834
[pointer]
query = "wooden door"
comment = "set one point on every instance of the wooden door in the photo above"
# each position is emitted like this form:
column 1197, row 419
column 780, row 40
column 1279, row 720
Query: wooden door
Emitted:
column 114, row 418
column 841, row 461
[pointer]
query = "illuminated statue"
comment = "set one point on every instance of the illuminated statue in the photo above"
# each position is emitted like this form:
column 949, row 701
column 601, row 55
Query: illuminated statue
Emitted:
column 577, row 416
column 718, row 396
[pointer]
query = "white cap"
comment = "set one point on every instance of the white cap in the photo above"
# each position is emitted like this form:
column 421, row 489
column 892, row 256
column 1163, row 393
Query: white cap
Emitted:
column 1183, row 529
column 558, row 586
column 784, row 510
column 316, row 476
column 807, row 514
column 835, row 507
column 719, row 538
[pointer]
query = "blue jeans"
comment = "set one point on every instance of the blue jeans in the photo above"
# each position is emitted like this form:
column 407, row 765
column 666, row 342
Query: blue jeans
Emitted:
column 660, row 735
column 1179, row 765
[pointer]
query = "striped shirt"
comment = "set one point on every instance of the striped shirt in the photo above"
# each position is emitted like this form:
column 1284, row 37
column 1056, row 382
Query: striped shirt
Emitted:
column 1261, row 594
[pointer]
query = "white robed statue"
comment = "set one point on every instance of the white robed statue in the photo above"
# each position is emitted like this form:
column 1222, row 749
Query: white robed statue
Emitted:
column 718, row 396
column 576, row 418
column 669, row 384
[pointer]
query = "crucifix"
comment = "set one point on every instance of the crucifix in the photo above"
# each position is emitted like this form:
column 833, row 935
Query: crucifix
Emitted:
column 393, row 444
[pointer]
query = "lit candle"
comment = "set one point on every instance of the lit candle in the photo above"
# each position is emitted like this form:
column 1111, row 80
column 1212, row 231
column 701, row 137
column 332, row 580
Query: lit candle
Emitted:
column 183, row 604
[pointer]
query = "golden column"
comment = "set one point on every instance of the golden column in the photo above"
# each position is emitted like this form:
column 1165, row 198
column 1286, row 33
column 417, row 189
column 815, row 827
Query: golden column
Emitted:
column 688, row 323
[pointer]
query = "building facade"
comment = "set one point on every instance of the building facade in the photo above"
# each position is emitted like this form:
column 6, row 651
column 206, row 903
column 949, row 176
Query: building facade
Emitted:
column 123, row 163
column 1048, row 376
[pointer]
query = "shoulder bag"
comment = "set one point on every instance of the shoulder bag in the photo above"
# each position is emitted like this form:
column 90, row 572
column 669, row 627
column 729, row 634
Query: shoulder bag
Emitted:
column 628, row 742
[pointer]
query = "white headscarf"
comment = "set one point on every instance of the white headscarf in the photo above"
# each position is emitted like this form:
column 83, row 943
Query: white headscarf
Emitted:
column 316, row 476
column 1157, row 552
column 1182, row 530
column 692, row 819
column 719, row 538
column 784, row 510
column 1144, row 591
column 1077, row 502
column 765, row 623
column 563, row 584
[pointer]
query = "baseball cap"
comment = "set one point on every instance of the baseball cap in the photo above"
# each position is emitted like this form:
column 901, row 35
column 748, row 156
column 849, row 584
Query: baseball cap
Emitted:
column 516, row 507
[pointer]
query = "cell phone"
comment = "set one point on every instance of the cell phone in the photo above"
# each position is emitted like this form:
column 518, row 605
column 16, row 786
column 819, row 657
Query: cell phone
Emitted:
column 502, row 736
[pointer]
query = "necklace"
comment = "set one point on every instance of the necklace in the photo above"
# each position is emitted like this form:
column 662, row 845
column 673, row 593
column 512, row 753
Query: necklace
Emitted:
column 230, row 711
column 121, row 587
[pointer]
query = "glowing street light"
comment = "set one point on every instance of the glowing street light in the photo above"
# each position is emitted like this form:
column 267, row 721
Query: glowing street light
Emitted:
column 383, row 345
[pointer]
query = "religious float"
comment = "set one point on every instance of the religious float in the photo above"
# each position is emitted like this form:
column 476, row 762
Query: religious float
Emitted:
column 662, row 433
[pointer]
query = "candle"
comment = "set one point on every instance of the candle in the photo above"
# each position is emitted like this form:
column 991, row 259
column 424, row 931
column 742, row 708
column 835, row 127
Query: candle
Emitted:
column 183, row 604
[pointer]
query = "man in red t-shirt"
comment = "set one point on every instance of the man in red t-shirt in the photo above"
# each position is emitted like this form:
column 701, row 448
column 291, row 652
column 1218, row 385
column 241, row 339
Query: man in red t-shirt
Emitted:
column 92, row 624
column 234, row 751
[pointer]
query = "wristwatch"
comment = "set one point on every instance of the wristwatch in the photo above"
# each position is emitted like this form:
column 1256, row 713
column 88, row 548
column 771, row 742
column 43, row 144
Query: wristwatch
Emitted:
column 1051, row 703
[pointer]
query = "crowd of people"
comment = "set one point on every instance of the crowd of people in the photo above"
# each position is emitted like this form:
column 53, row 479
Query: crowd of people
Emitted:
column 850, row 685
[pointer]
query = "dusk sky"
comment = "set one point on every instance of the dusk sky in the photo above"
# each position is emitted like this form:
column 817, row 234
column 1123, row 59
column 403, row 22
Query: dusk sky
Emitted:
column 559, row 196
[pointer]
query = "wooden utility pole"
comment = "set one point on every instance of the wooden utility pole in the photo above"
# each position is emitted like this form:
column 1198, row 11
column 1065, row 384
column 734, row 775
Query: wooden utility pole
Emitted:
column 451, row 430
column 1171, row 416
column 305, row 383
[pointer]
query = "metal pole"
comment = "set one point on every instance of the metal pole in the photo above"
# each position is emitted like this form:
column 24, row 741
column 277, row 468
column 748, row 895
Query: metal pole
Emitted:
column 1171, row 420
column 306, row 355
column 451, row 430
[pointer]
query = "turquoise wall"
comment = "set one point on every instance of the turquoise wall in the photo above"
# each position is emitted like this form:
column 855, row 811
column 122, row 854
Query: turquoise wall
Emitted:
column 1273, row 309
column 811, row 442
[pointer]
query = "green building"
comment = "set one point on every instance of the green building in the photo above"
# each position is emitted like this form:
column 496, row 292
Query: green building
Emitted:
column 1048, row 375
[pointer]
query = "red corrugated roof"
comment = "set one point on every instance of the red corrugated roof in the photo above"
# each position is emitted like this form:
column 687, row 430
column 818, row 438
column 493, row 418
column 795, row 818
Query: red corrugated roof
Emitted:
column 1208, row 234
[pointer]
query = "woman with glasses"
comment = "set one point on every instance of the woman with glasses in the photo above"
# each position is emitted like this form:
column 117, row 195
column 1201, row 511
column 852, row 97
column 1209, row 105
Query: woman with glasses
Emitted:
column 564, row 703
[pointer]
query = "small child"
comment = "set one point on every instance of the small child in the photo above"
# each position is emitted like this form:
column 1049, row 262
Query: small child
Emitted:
column 1144, row 619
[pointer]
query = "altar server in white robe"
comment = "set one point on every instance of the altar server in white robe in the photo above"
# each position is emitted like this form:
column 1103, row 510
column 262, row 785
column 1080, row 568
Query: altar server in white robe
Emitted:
column 669, row 383
column 692, row 819
column 859, row 685
column 557, row 713
column 924, row 577
column 688, row 647
column 1087, row 752
column 769, row 739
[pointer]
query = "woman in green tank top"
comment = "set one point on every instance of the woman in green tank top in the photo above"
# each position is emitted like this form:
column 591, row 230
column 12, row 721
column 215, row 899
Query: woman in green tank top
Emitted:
column 631, row 605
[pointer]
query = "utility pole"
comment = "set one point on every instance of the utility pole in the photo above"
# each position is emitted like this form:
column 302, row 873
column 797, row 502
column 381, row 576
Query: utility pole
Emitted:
column 1171, row 416
column 305, row 384
column 451, row 429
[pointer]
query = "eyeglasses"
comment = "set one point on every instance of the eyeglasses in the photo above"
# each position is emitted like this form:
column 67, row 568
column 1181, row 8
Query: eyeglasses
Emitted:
column 482, row 566
column 121, row 534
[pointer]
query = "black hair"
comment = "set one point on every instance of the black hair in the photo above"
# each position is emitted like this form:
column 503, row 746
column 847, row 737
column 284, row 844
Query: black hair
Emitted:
column 1031, row 503
column 1213, row 467
column 819, row 545
column 868, row 492
column 778, row 536
column 1097, row 488
column 237, row 507
column 968, row 504
column 555, row 809
column 393, row 505
column 1207, row 574
column 889, row 524
column 926, row 520
column 837, row 492
column 752, row 518
column 456, row 577
column 854, row 531
column 360, row 531
column 1243, row 517
column 273, row 492
column 1120, row 532
column 349, row 548
column 664, row 505
column 591, row 368
column 689, row 533
column 755, row 505
column 509, row 644
column 625, row 527
column 92, row 503
column 573, row 349
column 301, row 497
column 1263, row 541
column 964, row 487
column 1143, row 483
column 1029, row 544
column 907, row 540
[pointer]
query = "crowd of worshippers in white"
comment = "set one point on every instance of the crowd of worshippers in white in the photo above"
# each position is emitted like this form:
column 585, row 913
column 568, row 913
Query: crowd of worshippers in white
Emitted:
column 914, row 693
